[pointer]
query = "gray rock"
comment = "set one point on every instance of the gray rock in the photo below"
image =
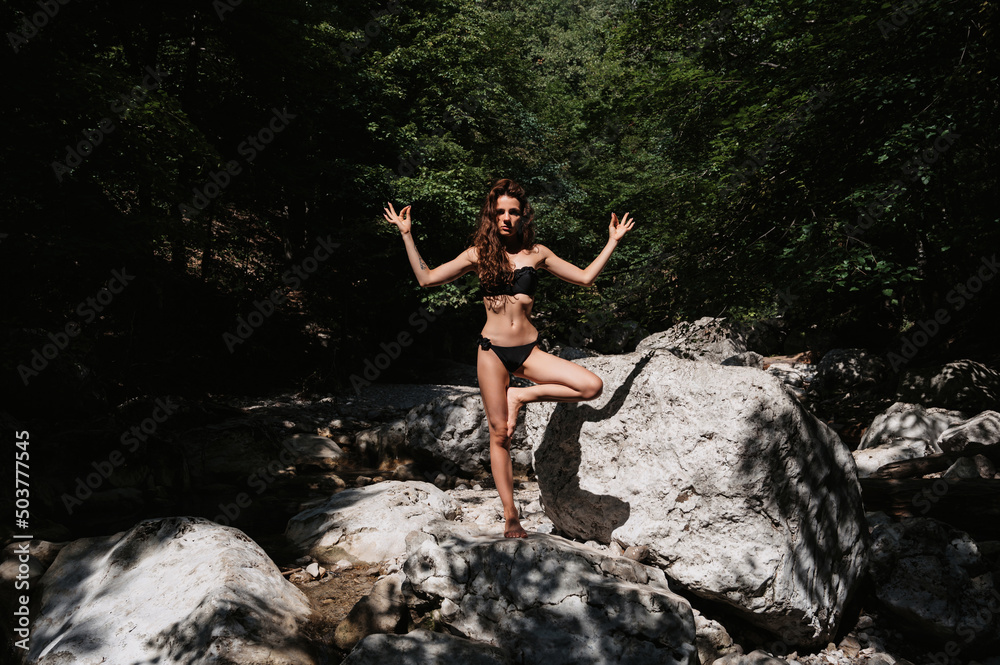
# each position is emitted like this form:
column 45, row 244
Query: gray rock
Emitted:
column 766, row 336
column 964, row 384
column 930, row 576
column 708, row 339
column 752, row 658
column 166, row 590
column 549, row 600
column 368, row 523
column 850, row 370
column 383, row 610
column 422, row 647
column 985, row 466
column 871, row 460
column 454, row 432
column 713, row 640
column 983, row 429
column 741, row 495
column 385, row 442
column 745, row 359
column 313, row 448
column 910, row 423
column 964, row 467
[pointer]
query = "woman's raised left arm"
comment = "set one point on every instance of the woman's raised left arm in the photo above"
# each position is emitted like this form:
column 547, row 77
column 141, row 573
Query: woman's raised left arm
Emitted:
column 586, row 276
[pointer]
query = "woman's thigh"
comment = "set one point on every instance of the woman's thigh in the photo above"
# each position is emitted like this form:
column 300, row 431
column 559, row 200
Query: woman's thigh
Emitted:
column 493, row 382
column 542, row 367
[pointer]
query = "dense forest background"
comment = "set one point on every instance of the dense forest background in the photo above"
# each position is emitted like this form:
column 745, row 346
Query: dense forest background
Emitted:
column 220, row 168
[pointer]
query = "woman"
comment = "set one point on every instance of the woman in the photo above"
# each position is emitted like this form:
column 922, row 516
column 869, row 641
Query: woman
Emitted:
column 506, row 257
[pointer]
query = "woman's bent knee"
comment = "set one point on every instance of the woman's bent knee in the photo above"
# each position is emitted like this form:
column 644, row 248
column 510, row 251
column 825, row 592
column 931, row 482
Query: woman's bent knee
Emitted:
column 593, row 388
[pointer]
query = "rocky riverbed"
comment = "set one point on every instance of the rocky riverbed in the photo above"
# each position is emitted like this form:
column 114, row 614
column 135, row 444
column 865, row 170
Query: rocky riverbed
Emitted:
column 356, row 501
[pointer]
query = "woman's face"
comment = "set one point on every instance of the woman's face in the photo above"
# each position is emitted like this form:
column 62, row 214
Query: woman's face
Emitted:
column 508, row 215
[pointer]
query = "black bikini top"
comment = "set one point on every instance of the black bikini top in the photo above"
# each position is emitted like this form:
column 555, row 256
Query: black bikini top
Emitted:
column 525, row 281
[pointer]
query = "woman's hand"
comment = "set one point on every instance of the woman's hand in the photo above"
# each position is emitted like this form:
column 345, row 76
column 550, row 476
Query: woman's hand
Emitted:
column 401, row 220
column 619, row 229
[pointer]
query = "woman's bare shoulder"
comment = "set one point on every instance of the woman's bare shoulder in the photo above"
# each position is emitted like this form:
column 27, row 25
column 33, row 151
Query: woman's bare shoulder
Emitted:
column 542, row 252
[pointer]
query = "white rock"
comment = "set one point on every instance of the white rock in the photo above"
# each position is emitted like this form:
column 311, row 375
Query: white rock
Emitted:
column 741, row 495
column 928, row 575
column 983, row 429
column 871, row 460
column 163, row 591
column 906, row 423
column 708, row 339
column 453, row 430
column 565, row 603
column 422, row 647
column 964, row 384
column 312, row 447
column 368, row 524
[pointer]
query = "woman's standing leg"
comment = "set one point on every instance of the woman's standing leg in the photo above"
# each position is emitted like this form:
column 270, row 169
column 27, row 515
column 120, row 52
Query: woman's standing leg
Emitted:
column 493, row 382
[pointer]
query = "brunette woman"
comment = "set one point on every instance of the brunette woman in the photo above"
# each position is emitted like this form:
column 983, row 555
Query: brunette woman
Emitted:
column 507, row 259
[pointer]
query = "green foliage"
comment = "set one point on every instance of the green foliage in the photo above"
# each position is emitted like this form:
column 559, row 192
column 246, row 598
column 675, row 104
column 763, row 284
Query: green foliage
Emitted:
column 748, row 139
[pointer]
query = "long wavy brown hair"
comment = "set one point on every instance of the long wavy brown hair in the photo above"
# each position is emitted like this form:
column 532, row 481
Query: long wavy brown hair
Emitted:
column 494, row 264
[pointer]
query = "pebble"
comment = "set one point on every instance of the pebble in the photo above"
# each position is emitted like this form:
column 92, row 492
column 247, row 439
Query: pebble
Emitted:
column 636, row 552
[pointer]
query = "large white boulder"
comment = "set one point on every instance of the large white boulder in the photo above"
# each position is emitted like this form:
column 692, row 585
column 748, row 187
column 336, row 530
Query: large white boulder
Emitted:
column 708, row 339
column 741, row 495
column 368, row 524
column 545, row 599
column 169, row 590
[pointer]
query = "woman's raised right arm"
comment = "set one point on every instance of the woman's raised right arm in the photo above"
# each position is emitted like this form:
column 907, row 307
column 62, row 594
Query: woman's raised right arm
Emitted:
column 447, row 272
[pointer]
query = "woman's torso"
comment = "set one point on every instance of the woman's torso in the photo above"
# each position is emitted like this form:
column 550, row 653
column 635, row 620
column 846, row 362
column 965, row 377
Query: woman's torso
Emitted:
column 508, row 317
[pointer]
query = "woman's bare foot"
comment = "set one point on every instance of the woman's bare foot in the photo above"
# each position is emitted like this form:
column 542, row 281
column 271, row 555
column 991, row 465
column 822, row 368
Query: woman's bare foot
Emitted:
column 513, row 406
column 513, row 529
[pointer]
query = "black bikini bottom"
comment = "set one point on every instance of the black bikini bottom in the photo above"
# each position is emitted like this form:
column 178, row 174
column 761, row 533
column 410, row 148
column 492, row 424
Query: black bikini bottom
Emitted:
column 512, row 357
